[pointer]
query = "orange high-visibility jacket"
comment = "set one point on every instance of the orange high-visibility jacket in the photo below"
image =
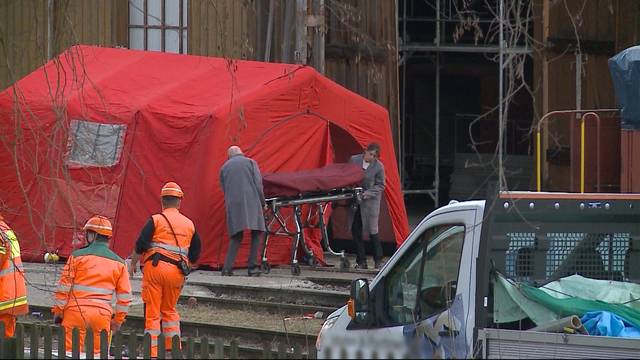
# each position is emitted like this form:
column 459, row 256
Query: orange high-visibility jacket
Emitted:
column 90, row 278
column 163, row 240
column 13, row 291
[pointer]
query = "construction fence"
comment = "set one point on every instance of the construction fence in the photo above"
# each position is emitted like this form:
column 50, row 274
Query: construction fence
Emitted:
column 46, row 341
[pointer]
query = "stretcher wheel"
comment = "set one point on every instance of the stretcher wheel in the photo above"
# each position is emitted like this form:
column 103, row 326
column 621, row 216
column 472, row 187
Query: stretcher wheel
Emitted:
column 295, row 269
column 265, row 267
column 313, row 262
column 345, row 264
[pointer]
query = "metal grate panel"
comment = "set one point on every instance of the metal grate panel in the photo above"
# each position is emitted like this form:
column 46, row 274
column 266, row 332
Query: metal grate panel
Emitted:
column 593, row 255
column 560, row 246
column 519, row 255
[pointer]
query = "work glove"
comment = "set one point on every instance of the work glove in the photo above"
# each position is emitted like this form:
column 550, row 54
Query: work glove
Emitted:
column 57, row 319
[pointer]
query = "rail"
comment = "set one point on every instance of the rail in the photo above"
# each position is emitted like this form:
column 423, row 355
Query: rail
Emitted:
column 587, row 113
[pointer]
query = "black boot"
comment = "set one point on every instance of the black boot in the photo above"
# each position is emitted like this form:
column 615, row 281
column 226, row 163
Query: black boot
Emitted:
column 227, row 272
column 377, row 250
column 255, row 271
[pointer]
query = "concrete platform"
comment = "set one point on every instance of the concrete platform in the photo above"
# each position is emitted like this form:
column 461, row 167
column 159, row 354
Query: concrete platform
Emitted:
column 42, row 280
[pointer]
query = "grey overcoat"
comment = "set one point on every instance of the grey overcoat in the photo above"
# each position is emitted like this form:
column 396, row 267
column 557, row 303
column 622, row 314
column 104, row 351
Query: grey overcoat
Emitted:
column 243, row 195
column 373, row 185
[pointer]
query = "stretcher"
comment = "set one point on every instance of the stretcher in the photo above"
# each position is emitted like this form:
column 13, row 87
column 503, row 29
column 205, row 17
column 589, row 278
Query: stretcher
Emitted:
column 311, row 192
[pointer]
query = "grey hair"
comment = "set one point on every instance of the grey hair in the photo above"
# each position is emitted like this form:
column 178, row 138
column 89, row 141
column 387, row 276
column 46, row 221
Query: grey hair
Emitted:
column 234, row 150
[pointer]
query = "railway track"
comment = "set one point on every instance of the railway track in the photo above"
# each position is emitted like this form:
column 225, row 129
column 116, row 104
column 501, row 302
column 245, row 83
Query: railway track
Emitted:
column 288, row 295
column 272, row 300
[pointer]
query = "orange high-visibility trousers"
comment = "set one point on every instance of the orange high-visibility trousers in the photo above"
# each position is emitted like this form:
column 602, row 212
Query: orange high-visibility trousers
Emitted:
column 9, row 324
column 161, row 287
column 85, row 317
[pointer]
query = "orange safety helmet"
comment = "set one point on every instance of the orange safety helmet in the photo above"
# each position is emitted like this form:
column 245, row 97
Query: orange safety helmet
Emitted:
column 172, row 189
column 100, row 225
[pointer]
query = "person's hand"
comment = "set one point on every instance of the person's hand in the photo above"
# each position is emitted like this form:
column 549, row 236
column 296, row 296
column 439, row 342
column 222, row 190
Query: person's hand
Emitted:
column 57, row 319
column 265, row 207
column 115, row 327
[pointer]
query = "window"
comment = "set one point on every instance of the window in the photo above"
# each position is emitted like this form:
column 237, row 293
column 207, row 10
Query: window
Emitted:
column 158, row 25
column 433, row 270
column 95, row 144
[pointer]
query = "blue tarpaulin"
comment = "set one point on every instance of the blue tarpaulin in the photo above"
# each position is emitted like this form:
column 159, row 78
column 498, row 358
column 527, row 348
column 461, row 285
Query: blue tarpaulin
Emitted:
column 604, row 323
column 625, row 73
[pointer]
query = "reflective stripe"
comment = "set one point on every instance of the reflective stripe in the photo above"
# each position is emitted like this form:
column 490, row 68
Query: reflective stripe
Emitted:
column 170, row 324
column 93, row 289
column 124, row 296
column 154, row 341
column 171, row 248
column 100, row 227
column 63, row 288
column 22, row 300
column 152, row 332
column 175, row 189
column 122, row 308
column 11, row 270
column 108, row 301
column 171, row 334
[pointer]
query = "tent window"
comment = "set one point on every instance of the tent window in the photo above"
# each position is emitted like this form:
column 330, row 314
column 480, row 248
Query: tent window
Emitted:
column 95, row 144
column 158, row 25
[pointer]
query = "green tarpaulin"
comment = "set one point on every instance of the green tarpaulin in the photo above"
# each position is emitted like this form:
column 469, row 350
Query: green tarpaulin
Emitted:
column 573, row 295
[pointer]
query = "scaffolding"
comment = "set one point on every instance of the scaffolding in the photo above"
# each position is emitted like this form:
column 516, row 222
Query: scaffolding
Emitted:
column 445, row 17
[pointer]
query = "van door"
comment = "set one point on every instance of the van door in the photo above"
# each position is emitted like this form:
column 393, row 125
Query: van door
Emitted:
column 422, row 300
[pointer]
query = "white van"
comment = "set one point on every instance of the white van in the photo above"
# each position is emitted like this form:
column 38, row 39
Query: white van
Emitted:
column 433, row 298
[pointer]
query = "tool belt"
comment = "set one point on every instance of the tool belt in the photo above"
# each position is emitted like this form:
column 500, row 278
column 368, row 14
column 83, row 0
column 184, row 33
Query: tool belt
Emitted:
column 180, row 264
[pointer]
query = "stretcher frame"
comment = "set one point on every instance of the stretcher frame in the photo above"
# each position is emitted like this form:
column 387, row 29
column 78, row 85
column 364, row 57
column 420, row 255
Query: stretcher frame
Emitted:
column 276, row 223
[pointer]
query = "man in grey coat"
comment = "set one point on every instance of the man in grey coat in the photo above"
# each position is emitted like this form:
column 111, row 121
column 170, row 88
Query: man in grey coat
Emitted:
column 244, row 202
column 364, row 216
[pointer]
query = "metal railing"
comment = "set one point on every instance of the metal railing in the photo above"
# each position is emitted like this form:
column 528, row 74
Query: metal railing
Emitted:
column 47, row 341
column 587, row 113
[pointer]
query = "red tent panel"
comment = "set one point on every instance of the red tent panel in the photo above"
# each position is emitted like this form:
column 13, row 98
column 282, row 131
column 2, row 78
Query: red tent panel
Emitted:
column 179, row 115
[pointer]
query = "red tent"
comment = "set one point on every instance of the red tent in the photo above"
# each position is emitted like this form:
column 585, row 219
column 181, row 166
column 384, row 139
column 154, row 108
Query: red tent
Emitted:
column 99, row 130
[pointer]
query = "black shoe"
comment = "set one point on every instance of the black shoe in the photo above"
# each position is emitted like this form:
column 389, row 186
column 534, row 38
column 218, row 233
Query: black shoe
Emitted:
column 255, row 271
column 361, row 266
column 227, row 273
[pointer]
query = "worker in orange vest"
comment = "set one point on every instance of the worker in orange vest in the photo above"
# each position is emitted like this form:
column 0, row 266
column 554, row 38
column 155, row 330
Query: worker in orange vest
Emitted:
column 13, row 292
column 85, row 291
column 169, row 244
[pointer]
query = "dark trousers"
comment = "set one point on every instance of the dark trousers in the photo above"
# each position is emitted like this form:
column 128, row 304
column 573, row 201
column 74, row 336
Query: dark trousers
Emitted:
column 234, row 244
column 356, row 233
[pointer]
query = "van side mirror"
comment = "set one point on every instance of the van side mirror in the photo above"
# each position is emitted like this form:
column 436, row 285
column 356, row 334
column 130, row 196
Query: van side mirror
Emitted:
column 358, row 305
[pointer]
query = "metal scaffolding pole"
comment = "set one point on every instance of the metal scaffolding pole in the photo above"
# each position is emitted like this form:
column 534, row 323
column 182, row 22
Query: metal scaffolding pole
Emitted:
column 436, row 180
column 501, row 120
column 403, row 141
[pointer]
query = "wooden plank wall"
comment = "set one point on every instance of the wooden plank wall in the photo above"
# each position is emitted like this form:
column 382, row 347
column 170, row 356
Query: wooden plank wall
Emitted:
column 612, row 24
column 23, row 38
column 225, row 28
column 360, row 41
column 24, row 31
column 90, row 22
